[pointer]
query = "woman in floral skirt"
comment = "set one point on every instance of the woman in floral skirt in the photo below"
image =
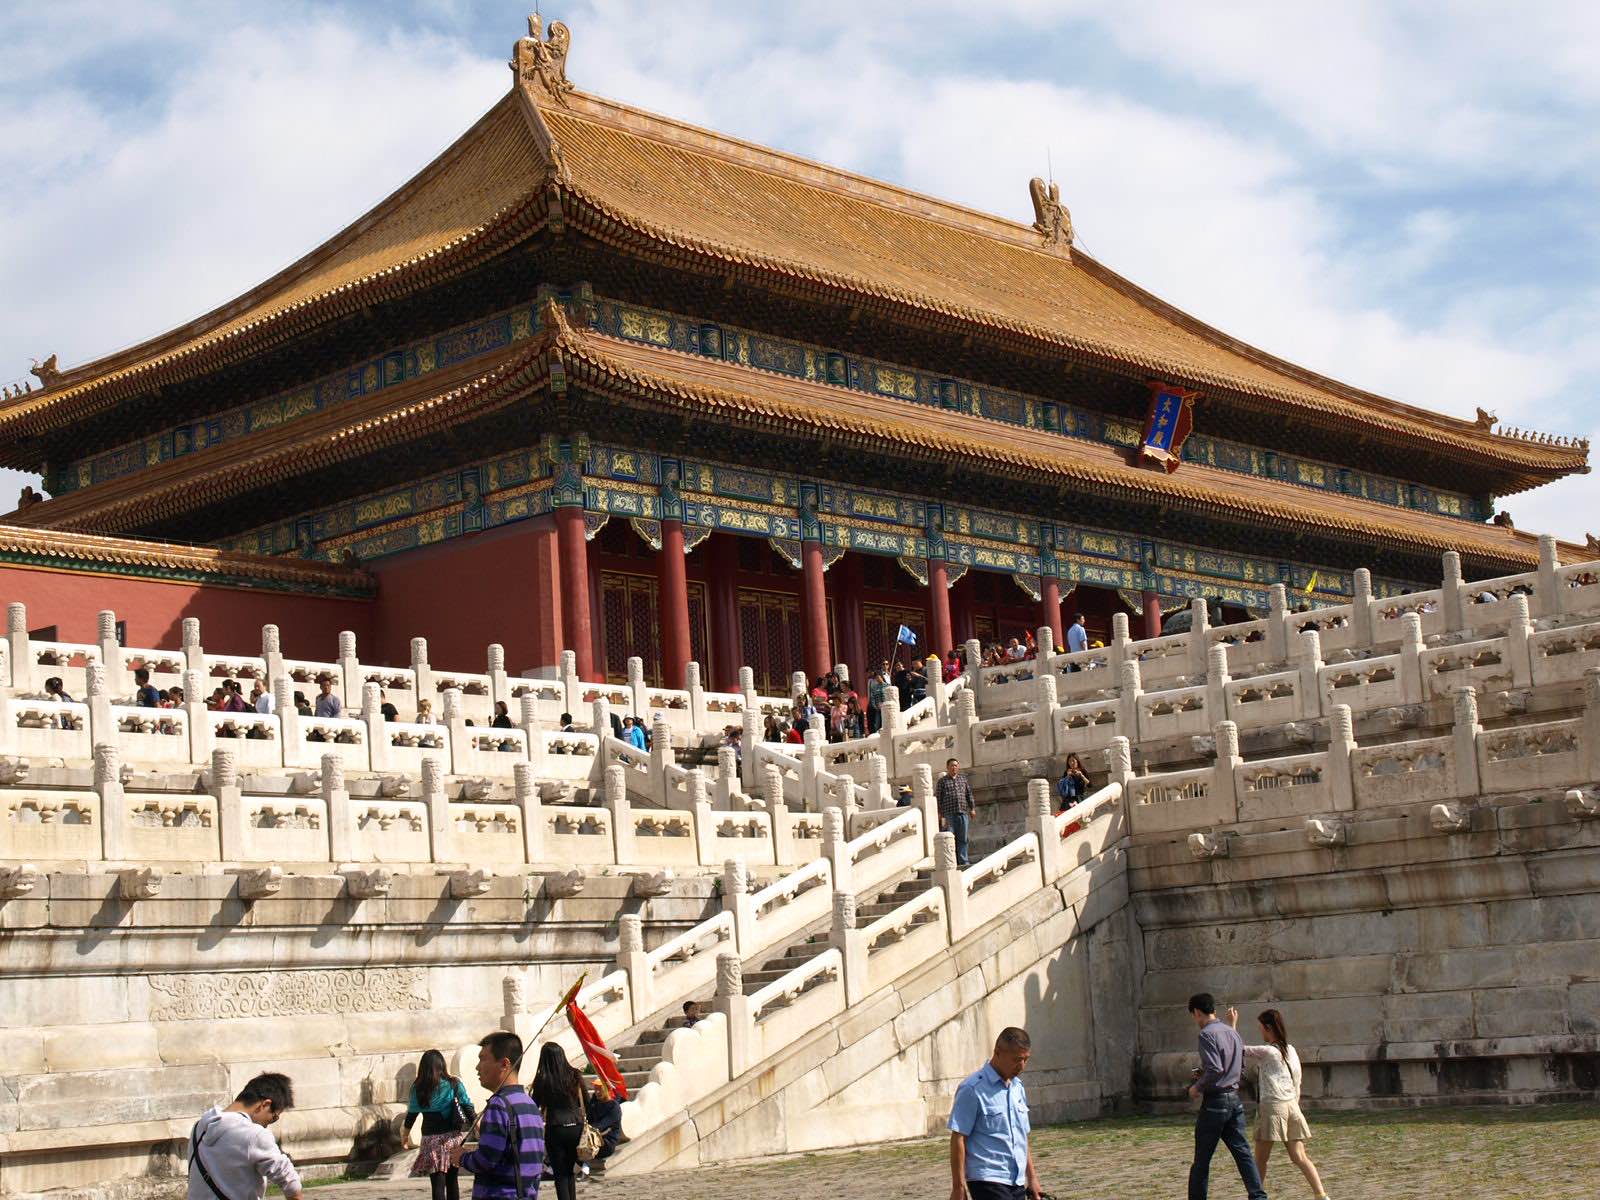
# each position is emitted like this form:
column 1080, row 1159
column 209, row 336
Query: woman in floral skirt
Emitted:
column 446, row 1111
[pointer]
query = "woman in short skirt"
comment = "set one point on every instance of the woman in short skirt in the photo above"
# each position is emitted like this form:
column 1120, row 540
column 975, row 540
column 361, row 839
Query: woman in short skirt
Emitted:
column 1279, row 1118
column 446, row 1112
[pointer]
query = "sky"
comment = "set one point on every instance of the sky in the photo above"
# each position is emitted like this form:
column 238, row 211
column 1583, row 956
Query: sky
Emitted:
column 1400, row 195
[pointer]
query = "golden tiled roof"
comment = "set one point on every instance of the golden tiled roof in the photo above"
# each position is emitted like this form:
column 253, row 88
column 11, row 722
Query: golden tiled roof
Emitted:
column 643, row 374
column 392, row 416
column 692, row 190
column 637, row 178
column 781, row 402
column 471, row 201
column 130, row 556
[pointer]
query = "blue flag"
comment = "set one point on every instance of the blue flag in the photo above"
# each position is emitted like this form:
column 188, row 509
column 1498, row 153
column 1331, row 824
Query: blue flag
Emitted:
column 905, row 637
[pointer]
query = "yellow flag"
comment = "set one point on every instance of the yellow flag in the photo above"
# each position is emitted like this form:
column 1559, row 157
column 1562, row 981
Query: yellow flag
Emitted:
column 1311, row 585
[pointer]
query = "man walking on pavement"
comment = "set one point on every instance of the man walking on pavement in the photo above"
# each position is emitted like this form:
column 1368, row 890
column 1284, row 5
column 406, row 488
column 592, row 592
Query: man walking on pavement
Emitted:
column 989, row 1154
column 954, row 794
column 1216, row 1086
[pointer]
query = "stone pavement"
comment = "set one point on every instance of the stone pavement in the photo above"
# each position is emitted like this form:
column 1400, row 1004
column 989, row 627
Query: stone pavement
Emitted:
column 1552, row 1153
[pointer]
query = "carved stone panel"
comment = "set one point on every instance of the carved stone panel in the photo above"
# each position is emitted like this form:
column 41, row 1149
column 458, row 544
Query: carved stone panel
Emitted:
column 287, row 993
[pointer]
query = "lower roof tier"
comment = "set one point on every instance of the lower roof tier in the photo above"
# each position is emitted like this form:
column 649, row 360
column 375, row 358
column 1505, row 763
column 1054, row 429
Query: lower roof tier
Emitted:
column 568, row 379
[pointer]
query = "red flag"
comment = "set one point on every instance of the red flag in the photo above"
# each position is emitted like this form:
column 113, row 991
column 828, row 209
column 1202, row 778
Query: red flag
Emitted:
column 602, row 1060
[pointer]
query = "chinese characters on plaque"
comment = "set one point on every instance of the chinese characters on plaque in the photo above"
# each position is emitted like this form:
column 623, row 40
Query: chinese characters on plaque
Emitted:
column 1166, row 427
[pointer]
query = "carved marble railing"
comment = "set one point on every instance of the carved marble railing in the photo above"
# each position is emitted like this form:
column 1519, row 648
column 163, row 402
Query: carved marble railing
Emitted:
column 1511, row 632
column 166, row 669
column 45, row 729
column 694, row 1063
column 860, row 960
column 773, row 1018
column 823, row 776
column 994, row 884
column 877, row 854
column 1468, row 766
column 42, row 824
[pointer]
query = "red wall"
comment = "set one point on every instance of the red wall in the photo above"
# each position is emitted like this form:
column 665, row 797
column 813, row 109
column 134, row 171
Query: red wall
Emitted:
column 500, row 586
column 230, row 618
column 461, row 595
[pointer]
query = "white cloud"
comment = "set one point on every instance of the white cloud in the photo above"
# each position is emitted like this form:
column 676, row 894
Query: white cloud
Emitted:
column 127, row 223
column 276, row 135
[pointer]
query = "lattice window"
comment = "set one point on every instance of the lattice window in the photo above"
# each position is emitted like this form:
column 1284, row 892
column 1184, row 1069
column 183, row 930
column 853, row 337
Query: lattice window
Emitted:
column 699, row 635
column 983, row 628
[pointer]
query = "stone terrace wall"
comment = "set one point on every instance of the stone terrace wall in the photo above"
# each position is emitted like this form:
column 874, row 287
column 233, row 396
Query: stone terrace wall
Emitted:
column 1416, row 958
column 122, row 1015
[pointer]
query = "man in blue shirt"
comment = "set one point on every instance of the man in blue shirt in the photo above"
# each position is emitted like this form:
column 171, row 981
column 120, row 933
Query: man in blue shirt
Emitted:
column 145, row 694
column 989, row 1154
column 1216, row 1086
column 1077, row 635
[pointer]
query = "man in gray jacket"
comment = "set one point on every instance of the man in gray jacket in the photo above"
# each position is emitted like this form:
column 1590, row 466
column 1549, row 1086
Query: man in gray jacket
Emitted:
column 232, row 1156
column 1216, row 1086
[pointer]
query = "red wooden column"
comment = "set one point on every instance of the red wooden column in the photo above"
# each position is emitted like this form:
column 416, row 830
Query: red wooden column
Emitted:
column 1152, row 615
column 814, row 614
column 546, row 607
column 1050, row 608
column 672, row 585
column 577, row 626
column 939, row 638
column 722, row 594
column 850, row 623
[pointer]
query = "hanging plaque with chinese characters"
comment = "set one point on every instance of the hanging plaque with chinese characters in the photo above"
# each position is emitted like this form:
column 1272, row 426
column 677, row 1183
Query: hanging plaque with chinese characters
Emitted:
column 1166, row 427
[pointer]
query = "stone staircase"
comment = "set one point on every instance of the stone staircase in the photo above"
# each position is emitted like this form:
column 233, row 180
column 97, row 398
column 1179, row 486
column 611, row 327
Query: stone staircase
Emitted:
column 638, row 1058
column 882, row 1061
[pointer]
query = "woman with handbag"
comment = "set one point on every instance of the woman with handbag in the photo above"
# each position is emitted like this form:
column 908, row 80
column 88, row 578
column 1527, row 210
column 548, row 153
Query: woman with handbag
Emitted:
column 1279, row 1120
column 446, row 1110
column 558, row 1091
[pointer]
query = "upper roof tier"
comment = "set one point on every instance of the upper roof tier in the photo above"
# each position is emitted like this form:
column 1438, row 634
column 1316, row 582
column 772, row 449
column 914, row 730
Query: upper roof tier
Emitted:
column 639, row 180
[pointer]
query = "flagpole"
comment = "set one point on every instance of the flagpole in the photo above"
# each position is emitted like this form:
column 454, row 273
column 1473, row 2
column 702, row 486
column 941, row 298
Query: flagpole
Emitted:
column 560, row 1008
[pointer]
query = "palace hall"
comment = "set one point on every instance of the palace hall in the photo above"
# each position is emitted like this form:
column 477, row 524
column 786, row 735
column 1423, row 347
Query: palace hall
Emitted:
column 600, row 380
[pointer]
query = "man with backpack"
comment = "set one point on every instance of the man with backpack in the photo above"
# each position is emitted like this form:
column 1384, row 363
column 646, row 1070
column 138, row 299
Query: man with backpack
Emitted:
column 232, row 1156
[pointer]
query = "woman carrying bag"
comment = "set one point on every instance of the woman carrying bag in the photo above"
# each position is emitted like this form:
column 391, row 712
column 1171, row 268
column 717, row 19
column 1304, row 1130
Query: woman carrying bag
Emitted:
column 446, row 1111
column 1279, row 1119
column 568, row 1139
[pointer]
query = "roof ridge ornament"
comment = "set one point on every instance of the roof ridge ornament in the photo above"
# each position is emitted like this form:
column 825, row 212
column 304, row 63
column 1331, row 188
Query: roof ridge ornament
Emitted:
column 1050, row 216
column 543, row 61
column 47, row 371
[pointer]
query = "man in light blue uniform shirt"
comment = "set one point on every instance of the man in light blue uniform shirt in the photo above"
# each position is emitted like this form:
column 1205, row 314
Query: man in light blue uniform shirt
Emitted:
column 1077, row 635
column 989, row 1154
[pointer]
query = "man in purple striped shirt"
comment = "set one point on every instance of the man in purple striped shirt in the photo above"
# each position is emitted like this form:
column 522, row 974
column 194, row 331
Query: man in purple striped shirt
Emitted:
column 510, row 1154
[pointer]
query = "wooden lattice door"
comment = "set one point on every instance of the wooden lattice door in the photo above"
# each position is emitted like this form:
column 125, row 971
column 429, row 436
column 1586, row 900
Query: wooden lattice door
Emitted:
column 770, row 640
column 883, row 623
column 630, row 614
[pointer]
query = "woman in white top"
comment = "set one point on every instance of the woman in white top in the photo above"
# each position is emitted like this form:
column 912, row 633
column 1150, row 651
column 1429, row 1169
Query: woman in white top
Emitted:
column 1279, row 1118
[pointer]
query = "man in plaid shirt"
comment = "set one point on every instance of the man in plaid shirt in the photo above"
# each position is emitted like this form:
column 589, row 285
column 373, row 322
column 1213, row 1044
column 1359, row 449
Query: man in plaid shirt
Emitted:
column 954, row 795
